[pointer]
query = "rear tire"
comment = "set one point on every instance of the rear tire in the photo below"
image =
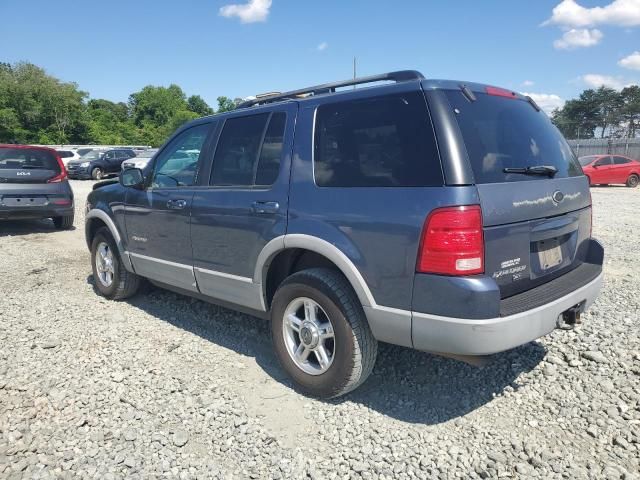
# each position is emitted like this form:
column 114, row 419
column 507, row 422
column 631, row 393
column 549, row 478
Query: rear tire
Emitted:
column 112, row 280
column 97, row 173
column 338, row 355
column 633, row 180
column 63, row 223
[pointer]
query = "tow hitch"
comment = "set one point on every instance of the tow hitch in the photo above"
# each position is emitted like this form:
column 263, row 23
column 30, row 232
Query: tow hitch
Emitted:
column 571, row 317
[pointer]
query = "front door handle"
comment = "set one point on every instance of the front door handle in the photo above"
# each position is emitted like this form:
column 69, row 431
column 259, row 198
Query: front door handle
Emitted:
column 265, row 208
column 176, row 204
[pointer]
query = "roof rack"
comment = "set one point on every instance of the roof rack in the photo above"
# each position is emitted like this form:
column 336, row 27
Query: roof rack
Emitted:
column 399, row 76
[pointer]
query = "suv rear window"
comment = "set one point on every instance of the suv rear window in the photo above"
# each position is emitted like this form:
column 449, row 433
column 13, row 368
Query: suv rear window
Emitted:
column 378, row 142
column 504, row 133
column 28, row 158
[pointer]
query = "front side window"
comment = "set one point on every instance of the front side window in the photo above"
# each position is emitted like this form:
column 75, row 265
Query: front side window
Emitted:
column 249, row 151
column 381, row 142
column 603, row 161
column 177, row 164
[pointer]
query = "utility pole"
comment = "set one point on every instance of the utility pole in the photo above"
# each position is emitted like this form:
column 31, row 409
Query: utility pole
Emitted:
column 354, row 70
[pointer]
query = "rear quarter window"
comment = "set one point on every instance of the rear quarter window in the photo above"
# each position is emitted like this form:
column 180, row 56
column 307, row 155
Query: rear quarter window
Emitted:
column 377, row 142
column 504, row 133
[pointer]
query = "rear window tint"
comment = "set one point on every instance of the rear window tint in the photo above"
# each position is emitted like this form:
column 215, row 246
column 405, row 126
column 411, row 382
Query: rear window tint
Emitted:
column 65, row 153
column 504, row 133
column 378, row 142
column 28, row 158
column 620, row 160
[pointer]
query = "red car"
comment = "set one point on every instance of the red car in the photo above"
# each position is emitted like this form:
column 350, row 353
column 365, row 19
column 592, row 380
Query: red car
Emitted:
column 607, row 169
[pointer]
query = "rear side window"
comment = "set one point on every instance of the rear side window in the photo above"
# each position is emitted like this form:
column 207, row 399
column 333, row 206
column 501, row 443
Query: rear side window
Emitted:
column 249, row 151
column 28, row 159
column 65, row 154
column 378, row 142
column 504, row 133
column 620, row 160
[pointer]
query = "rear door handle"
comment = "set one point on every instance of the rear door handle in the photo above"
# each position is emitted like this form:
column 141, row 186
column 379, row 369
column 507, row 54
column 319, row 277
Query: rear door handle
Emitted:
column 176, row 204
column 265, row 208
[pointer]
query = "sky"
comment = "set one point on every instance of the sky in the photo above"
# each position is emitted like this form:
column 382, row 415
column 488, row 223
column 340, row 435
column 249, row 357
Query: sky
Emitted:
column 552, row 49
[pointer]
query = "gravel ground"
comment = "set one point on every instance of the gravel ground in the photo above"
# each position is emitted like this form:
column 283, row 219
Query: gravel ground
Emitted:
column 163, row 386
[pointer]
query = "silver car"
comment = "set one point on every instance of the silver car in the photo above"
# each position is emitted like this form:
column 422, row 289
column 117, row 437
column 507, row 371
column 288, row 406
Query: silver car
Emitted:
column 141, row 160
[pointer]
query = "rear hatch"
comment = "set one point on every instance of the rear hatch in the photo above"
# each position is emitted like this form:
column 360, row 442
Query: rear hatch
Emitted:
column 535, row 200
column 27, row 165
column 29, row 177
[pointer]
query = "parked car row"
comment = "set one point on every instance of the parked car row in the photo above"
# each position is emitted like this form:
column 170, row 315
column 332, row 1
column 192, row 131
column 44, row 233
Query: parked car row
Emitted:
column 96, row 164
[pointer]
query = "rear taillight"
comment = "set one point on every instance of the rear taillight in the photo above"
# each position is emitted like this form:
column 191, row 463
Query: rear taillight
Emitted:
column 63, row 172
column 452, row 242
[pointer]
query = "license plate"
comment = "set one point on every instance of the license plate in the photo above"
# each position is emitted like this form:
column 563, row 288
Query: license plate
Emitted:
column 549, row 254
column 24, row 201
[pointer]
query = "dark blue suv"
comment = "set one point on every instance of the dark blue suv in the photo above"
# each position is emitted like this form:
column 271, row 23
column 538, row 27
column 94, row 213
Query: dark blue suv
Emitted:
column 445, row 216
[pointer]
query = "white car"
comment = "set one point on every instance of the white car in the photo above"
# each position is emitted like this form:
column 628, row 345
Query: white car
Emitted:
column 67, row 155
column 141, row 160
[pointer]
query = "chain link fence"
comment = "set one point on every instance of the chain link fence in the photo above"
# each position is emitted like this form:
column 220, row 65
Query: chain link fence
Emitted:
column 629, row 147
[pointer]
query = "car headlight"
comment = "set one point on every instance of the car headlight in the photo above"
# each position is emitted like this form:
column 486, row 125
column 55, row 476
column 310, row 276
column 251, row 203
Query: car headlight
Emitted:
column 85, row 164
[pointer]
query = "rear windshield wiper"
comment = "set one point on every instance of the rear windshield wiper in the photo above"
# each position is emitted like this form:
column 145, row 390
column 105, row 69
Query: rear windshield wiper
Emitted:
column 546, row 170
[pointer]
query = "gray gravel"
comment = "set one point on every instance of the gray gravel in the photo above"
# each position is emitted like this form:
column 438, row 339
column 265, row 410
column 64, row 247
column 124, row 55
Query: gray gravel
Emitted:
column 163, row 386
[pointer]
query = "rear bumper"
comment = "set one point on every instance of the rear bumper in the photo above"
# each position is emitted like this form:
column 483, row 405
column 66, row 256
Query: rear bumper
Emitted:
column 516, row 321
column 26, row 213
column 481, row 337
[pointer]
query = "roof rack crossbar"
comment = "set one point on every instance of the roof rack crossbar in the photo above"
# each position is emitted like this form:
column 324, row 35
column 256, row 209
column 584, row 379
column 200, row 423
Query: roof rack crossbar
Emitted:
column 399, row 76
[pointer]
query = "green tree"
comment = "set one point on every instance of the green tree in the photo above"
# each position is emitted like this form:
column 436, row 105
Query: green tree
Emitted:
column 196, row 104
column 630, row 110
column 225, row 104
column 37, row 107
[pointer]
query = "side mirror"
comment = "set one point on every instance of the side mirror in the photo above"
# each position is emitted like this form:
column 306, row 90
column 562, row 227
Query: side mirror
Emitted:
column 595, row 165
column 132, row 178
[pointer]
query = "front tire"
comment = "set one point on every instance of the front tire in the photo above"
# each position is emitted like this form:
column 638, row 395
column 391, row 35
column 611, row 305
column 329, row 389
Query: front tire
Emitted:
column 63, row 223
column 320, row 334
column 633, row 180
column 112, row 280
column 97, row 173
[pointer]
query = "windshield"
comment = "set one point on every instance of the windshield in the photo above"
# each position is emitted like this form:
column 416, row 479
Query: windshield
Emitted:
column 92, row 155
column 28, row 158
column 504, row 133
column 584, row 161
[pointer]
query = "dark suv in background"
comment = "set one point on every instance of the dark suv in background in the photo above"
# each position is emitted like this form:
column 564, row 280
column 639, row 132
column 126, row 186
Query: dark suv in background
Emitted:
column 33, row 184
column 445, row 216
column 96, row 164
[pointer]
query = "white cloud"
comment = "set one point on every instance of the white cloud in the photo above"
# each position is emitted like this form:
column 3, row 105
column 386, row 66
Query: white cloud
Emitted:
column 546, row 101
column 253, row 11
column 323, row 46
column 528, row 83
column 578, row 38
column 595, row 80
column 623, row 13
column 632, row 61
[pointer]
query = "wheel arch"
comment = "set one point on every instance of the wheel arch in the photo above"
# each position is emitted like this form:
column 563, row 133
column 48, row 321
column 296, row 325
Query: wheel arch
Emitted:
column 287, row 254
column 97, row 218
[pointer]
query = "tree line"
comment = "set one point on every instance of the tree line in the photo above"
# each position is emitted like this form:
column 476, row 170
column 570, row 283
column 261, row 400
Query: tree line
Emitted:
column 38, row 108
column 601, row 113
